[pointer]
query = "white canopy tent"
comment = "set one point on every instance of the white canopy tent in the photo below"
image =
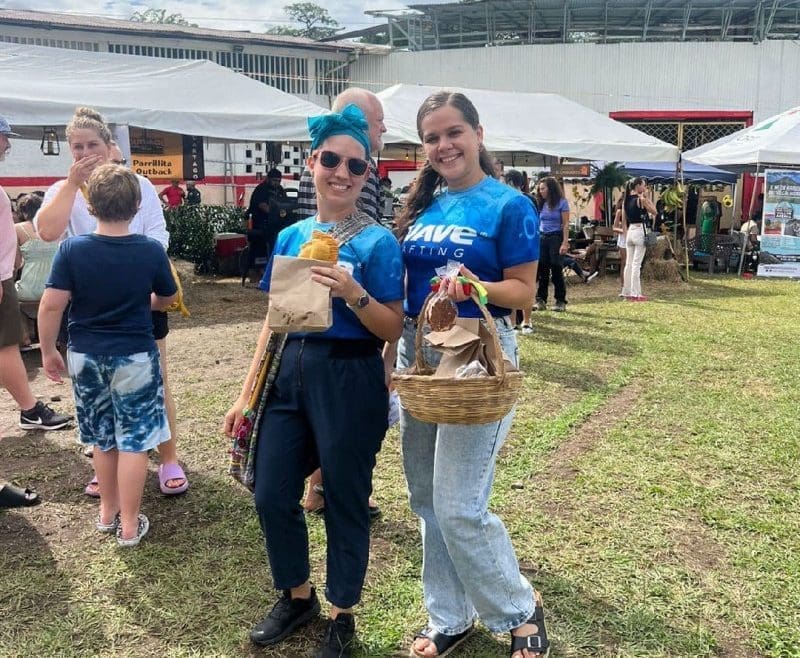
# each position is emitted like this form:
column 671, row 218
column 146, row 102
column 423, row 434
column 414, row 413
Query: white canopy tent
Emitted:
column 43, row 86
column 774, row 142
column 537, row 123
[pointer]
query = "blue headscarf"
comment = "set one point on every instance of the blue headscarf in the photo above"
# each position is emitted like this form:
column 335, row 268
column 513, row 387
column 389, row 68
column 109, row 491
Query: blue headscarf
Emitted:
column 351, row 122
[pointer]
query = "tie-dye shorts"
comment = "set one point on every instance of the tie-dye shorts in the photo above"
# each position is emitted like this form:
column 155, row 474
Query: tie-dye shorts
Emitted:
column 119, row 400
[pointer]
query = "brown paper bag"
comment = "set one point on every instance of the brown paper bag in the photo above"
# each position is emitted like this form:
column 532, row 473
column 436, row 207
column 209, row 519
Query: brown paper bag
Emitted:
column 296, row 303
column 458, row 347
column 487, row 357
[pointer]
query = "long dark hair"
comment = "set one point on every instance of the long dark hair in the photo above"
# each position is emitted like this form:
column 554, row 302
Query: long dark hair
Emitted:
column 428, row 180
column 554, row 193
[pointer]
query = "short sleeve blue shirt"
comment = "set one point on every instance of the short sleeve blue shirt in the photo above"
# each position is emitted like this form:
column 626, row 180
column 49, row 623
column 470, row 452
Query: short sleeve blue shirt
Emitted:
column 372, row 257
column 551, row 217
column 110, row 280
column 487, row 227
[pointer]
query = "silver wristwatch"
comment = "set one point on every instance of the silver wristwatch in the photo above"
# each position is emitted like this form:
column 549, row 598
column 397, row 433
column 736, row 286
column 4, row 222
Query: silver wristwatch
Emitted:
column 361, row 302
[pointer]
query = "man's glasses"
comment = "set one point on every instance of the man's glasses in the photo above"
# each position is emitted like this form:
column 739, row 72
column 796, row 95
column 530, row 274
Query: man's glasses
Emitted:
column 331, row 160
column 120, row 162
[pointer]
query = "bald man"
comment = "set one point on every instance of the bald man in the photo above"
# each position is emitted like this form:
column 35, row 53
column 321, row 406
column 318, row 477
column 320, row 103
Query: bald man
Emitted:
column 371, row 199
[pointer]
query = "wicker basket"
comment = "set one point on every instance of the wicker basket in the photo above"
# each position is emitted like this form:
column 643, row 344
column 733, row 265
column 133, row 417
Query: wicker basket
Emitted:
column 467, row 401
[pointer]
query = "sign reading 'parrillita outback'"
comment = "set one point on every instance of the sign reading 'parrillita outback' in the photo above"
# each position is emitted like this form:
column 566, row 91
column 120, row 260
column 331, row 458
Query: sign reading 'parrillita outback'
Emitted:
column 157, row 154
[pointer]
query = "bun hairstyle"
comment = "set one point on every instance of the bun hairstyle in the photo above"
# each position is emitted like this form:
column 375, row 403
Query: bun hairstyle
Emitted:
column 633, row 182
column 428, row 180
column 85, row 118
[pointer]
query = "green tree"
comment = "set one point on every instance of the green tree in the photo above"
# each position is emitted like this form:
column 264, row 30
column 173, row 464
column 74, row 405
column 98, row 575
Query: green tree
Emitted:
column 606, row 180
column 151, row 15
column 315, row 22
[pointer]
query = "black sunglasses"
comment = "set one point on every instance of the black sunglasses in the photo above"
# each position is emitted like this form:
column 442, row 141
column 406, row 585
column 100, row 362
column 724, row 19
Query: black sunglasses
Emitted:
column 331, row 160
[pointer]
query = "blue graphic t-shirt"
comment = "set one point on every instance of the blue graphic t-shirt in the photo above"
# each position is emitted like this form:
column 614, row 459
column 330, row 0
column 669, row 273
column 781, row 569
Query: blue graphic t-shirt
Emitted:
column 550, row 218
column 372, row 257
column 111, row 279
column 488, row 227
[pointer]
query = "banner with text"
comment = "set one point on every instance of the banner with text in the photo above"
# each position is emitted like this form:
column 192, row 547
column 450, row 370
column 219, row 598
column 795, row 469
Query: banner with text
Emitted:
column 157, row 154
column 780, row 230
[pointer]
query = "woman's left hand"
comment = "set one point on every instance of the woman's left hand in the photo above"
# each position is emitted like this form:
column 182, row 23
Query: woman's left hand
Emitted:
column 455, row 289
column 339, row 280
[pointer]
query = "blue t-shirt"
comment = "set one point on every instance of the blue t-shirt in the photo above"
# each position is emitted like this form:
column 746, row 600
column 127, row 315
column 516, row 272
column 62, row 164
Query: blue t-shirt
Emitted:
column 487, row 227
column 550, row 218
column 111, row 279
column 372, row 257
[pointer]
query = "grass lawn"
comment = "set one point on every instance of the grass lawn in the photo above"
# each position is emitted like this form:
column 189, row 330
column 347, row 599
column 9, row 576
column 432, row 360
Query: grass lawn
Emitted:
column 650, row 483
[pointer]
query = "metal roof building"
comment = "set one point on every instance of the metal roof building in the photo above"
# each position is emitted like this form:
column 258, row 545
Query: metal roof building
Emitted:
column 509, row 22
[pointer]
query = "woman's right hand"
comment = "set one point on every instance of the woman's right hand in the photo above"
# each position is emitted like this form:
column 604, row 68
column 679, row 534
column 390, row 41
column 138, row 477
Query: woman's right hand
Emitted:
column 234, row 417
column 80, row 170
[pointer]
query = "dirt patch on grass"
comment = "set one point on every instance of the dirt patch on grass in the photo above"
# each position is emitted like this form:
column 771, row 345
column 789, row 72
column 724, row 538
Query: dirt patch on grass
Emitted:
column 562, row 463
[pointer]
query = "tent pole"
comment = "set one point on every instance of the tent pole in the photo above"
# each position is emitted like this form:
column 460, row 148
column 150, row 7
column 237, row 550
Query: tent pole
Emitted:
column 683, row 219
column 745, row 239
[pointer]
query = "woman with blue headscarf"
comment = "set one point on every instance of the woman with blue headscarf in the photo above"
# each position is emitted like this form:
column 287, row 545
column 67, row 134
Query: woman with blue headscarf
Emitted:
column 328, row 403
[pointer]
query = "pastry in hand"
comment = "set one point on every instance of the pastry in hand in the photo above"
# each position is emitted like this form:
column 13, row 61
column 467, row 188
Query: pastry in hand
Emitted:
column 321, row 247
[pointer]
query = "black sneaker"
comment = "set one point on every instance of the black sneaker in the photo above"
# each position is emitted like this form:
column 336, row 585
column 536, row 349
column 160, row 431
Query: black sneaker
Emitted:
column 42, row 417
column 286, row 615
column 338, row 640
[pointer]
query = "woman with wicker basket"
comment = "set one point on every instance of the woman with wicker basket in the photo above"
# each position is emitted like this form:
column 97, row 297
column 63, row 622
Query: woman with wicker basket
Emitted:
column 469, row 566
column 326, row 398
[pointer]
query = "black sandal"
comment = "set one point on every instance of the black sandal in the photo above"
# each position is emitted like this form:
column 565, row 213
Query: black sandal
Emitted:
column 11, row 497
column 536, row 642
column 444, row 643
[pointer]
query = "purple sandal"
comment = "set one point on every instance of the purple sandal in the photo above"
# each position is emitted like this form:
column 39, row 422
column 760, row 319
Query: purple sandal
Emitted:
column 167, row 472
column 93, row 488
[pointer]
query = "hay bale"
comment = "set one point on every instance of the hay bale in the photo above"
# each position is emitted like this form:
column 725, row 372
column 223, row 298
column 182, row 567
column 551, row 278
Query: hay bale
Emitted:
column 661, row 270
column 661, row 250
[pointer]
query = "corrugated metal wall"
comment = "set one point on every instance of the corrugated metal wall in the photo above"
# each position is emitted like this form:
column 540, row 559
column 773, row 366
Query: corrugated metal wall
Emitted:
column 763, row 78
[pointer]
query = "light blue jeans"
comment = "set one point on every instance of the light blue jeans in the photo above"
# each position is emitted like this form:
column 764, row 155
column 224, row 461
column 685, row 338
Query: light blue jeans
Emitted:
column 469, row 568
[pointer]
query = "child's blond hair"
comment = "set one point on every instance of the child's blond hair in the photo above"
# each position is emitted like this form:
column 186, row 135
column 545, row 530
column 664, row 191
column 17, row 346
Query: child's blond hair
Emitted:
column 114, row 193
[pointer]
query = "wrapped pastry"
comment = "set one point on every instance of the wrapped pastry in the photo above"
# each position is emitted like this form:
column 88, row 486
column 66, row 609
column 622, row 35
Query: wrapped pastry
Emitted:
column 321, row 247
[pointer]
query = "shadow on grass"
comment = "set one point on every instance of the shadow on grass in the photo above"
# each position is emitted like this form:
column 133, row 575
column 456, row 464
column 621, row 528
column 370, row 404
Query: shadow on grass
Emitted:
column 587, row 341
column 33, row 593
column 557, row 373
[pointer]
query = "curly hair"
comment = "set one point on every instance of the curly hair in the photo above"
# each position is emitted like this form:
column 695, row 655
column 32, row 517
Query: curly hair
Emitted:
column 554, row 193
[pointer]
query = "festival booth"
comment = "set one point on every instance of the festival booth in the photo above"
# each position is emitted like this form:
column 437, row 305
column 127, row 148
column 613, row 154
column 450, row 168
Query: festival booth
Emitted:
column 709, row 207
column 770, row 148
column 43, row 86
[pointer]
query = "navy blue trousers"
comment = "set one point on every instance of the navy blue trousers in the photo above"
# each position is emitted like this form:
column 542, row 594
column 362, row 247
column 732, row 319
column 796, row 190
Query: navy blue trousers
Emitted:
column 328, row 407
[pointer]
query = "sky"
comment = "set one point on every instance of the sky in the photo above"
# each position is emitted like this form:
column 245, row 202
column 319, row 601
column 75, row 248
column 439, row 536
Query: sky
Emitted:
column 253, row 15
